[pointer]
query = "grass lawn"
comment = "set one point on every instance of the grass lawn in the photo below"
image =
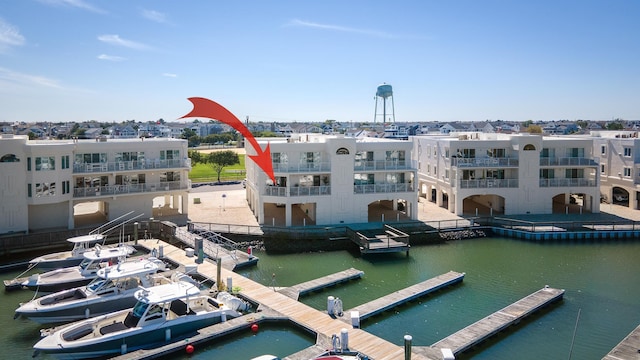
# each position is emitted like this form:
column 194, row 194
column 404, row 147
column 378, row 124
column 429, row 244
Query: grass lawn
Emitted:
column 205, row 173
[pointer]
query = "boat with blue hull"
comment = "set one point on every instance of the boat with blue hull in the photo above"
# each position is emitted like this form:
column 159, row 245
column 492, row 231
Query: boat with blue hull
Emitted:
column 162, row 314
column 112, row 290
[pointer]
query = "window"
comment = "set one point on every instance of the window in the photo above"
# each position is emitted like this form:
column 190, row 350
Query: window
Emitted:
column 627, row 172
column 575, row 152
column 169, row 154
column 446, row 153
column 496, row 153
column 45, row 189
column 91, row 158
column 574, row 173
column 65, row 162
column 602, row 167
column 29, row 190
column 603, row 150
column 495, row 174
column 363, row 179
column 469, row 153
column 468, row 174
column 28, row 164
column 548, row 153
column 170, row 176
column 446, row 173
column 529, row 147
column 547, row 173
column 45, row 163
column 65, row 187
column 627, row 152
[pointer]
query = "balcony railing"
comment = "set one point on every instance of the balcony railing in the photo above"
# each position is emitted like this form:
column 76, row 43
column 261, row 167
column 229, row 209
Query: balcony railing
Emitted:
column 382, row 188
column 305, row 167
column 568, row 161
column 484, row 162
column 111, row 190
column 297, row 191
column 568, row 182
column 380, row 165
column 488, row 183
column 129, row 165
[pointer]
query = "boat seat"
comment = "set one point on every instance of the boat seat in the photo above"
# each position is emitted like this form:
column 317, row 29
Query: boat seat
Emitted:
column 112, row 328
column 179, row 307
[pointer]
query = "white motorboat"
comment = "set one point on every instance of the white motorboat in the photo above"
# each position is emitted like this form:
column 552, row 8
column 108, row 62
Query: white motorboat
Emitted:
column 74, row 276
column 81, row 244
column 162, row 314
column 112, row 290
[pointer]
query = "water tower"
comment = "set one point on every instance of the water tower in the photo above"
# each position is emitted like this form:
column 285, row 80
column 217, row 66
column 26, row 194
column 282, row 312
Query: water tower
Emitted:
column 384, row 92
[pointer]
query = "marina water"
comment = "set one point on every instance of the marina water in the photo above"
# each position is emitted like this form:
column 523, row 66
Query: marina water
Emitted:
column 600, row 279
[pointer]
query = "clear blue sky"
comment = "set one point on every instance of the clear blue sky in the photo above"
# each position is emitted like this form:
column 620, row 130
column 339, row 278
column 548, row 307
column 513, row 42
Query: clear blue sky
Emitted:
column 76, row 60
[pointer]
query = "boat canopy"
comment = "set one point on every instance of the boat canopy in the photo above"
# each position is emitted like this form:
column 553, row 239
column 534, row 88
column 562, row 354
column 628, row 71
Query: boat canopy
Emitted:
column 167, row 292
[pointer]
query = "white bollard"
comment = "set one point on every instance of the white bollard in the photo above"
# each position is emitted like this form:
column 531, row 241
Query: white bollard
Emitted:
column 330, row 302
column 223, row 317
column 160, row 251
column 344, row 339
column 229, row 284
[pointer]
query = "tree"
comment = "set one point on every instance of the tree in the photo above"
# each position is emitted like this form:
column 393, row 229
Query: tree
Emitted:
column 615, row 126
column 195, row 156
column 219, row 159
column 534, row 129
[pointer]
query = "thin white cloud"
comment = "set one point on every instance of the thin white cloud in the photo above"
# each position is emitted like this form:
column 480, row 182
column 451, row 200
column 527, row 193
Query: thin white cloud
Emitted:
column 110, row 57
column 80, row 4
column 154, row 16
column 170, row 75
column 18, row 78
column 118, row 41
column 10, row 35
column 301, row 23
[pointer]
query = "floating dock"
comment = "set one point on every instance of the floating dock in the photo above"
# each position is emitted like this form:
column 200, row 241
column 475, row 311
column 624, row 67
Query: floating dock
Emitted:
column 407, row 294
column 276, row 306
column 296, row 291
column 628, row 348
column 498, row 321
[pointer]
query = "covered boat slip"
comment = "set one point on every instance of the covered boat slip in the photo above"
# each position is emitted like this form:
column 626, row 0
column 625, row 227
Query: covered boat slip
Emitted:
column 388, row 239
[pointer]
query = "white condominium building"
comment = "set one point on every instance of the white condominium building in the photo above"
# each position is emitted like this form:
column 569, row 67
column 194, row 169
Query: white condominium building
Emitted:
column 493, row 173
column 45, row 184
column 619, row 153
column 332, row 179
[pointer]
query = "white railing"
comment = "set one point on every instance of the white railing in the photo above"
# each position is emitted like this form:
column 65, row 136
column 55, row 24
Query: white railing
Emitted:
column 382, row 188
column 128, row 189
column 130, row 165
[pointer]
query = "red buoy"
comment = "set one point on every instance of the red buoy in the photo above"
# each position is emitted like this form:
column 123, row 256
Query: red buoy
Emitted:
column 254, row 327
column 189, row 349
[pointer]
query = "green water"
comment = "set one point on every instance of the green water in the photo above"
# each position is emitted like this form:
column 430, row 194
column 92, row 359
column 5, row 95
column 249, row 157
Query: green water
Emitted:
column 600, row 279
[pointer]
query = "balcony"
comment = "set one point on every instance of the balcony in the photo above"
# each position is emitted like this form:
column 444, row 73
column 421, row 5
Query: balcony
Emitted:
column 382, row 188
column 111, row 190
column 484, row 162
column 568, row 182
column 129, row 165
column 381, row 165
column 299, row 168
column 297, row 191
column 568, row 161
column 488, row 183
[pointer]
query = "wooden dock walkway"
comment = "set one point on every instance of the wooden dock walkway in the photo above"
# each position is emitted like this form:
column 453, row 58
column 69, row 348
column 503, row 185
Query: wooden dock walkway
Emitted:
column 407, row 294
column 628, row 348
column 276, row 305
column 296, row 291
column 498, row 321
column 306, row 317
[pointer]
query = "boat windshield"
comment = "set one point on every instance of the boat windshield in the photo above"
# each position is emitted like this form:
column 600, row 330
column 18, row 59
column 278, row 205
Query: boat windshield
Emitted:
column 140, row 308
column 84, row 264
column 95, row 284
